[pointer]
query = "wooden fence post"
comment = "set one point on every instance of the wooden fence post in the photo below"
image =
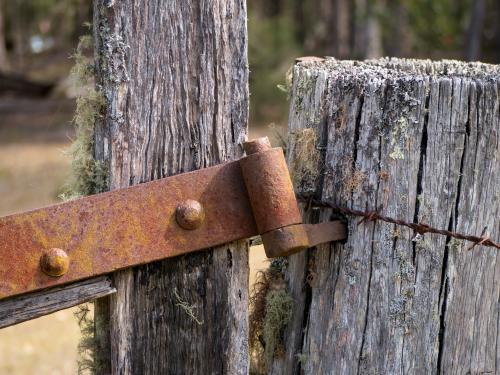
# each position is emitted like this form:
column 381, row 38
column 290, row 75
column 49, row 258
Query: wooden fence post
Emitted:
column 421, row 141
column 175, row 78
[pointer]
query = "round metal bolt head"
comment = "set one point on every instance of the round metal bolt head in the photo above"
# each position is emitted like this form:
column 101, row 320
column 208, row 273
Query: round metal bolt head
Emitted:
column 54, row 262
column 190, row 214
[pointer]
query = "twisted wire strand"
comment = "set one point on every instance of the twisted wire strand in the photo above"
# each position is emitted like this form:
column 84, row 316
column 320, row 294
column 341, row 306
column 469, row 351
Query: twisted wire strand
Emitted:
column 419, row 228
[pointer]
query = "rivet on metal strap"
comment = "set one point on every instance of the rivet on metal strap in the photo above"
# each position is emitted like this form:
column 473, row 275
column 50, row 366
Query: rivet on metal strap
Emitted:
column 54, row 262
column 190, row 214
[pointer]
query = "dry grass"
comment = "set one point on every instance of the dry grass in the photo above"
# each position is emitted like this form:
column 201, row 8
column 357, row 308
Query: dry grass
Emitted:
column 46, row 345
column 31, row 176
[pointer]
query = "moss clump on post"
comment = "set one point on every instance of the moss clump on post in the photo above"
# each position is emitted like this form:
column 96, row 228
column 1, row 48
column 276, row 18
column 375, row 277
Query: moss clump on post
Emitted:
column 271, row 310
column 86, row 346
column 279, row 308
column 88, row 176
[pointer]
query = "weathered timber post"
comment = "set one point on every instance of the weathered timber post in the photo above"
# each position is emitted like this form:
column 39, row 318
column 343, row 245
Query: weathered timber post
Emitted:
column 175, row 78
column 420, row 141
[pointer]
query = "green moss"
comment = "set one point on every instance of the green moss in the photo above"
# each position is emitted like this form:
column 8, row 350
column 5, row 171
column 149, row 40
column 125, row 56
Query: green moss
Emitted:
column 88, row 176
column 279, row 309
column 86, row 346
column 271, row 308
column 279, row 264
column 83, row 69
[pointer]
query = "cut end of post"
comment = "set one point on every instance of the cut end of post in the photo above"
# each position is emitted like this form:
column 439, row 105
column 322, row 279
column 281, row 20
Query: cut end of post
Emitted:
column 308, row 59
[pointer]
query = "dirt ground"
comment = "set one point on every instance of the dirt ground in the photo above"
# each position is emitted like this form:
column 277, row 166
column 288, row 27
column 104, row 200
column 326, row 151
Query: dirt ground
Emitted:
column 34, row 138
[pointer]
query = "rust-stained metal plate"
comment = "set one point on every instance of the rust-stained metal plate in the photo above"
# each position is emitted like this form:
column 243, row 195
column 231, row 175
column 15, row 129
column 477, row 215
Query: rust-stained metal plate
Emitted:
column 110, row 231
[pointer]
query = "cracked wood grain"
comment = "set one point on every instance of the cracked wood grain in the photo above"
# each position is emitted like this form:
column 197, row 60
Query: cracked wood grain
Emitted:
column 18, row 309
column 425, row 139
column 175, row 78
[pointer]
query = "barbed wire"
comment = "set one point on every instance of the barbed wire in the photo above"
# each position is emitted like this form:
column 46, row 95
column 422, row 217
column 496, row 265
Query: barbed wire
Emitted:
column 419, row 228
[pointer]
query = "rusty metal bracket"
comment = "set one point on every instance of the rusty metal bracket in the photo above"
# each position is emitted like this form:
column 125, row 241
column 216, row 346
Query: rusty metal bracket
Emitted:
column 165, row 218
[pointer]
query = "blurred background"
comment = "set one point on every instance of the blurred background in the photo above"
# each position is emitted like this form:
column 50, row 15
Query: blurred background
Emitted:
column 37, row 100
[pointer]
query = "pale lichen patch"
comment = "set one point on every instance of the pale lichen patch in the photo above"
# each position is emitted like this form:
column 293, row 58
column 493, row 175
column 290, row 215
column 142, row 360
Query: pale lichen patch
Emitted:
column 399, row 135
column 305, row 160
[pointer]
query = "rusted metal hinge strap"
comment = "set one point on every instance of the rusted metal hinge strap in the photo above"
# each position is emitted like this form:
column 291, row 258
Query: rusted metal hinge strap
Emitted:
column 165, row 218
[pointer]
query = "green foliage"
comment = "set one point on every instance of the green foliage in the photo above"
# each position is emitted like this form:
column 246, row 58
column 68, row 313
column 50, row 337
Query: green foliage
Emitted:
column 438, row 24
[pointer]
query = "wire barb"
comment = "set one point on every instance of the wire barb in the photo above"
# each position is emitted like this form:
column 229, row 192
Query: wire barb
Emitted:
column 420, row 228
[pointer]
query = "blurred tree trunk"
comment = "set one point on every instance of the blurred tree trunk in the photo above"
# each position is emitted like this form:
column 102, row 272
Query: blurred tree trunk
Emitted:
column 398, row 40
column 299, row 20
column 343, row 29
column 491, row 46
column 340, row 37
column 473, row 37
column 334, row 28
column 4, row 62
column 374, row 39
column 19, row 38
column 367, row 31
column 274, row 8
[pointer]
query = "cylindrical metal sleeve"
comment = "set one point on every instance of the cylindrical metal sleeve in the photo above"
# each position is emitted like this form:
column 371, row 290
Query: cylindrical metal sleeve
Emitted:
column 285, row 241
column 270, row 190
